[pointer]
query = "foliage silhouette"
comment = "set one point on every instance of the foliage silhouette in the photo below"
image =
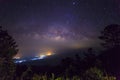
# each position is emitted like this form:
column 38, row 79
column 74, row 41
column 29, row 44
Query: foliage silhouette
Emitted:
column 8, row 49
column 27, row 75
column 93, row 74
column 110, row 57
column 111, row 36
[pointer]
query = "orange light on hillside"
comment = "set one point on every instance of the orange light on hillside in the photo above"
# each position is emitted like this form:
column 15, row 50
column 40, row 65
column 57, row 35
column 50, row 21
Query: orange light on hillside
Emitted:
column 49, row 53
column 18, row 56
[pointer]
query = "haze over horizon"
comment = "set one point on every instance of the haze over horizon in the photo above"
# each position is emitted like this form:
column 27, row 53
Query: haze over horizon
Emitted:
column 41, row 26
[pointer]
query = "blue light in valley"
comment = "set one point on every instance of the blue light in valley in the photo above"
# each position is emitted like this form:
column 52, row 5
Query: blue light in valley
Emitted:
column 37, row 57
column 18, row 61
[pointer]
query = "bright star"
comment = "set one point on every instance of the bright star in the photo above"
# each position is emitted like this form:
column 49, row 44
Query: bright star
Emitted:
column 74, row 3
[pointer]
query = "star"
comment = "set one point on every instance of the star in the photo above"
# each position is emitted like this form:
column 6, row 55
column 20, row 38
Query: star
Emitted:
column 74, row 3
column 104, row 8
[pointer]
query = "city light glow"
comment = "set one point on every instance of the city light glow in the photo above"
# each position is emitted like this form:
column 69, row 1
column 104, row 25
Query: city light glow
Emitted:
column 18, row 60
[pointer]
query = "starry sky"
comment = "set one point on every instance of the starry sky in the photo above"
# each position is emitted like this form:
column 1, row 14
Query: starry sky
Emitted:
column 49, row 25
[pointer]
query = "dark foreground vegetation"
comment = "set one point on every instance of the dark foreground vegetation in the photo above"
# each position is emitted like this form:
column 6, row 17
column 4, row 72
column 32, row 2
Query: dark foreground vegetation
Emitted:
column 105, row 66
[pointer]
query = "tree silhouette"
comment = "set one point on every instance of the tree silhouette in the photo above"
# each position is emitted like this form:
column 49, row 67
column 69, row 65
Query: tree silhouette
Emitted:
column 8, row 49
column 111, row 55
column 27, row 75
column 90, row 58
column 93, row 74
column 66, row 62
column 111, row 36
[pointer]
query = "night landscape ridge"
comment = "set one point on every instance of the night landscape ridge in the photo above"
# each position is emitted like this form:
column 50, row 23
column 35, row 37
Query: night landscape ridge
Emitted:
column 59, row 39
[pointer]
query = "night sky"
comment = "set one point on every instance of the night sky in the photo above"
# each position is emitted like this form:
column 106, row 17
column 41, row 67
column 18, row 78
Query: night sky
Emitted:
column 41, row 26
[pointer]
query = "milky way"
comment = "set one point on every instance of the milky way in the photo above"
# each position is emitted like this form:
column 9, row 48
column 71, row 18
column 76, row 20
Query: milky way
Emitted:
column 43, row 25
